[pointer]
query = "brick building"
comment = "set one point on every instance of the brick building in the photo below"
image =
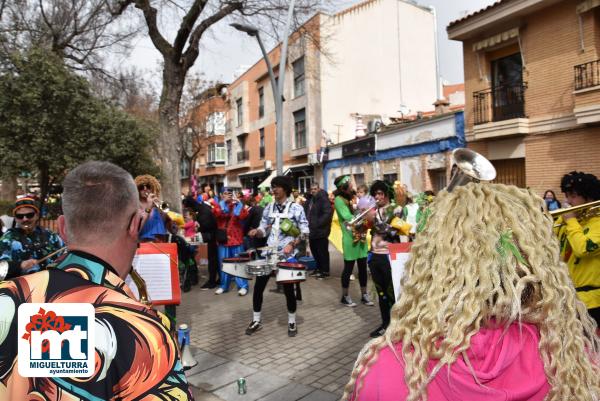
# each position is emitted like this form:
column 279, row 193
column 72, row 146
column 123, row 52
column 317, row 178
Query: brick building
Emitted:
column 205, row 154
column 532, row 88
column 335, row 72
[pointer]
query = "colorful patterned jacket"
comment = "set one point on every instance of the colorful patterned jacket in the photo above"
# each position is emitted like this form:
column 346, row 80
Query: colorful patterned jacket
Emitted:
column 16, row 246
column 136, row 357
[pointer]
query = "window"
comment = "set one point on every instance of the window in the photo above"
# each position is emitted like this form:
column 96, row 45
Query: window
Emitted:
column 298, row 66
column 304, row 184
column 390, row 177
column 228, row 147
column 300, row 129
column 510, row 172
column 216, row 153
column 261, row 145
column 243, row 154
column 261, row 102
column 507, row 87
column 359, row 178
column 438, row 179
column 185, row 168
column 215, row 124
column 240, row 112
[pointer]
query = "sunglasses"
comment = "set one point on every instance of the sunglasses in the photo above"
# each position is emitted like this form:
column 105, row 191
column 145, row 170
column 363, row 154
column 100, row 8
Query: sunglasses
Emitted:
column 20, row 216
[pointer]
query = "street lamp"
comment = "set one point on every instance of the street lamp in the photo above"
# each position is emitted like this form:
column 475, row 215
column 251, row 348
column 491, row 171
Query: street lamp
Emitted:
column 277, row 86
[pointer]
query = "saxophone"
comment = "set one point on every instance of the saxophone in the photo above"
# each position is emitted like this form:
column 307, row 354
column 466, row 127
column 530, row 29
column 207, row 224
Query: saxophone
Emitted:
column 140, row 284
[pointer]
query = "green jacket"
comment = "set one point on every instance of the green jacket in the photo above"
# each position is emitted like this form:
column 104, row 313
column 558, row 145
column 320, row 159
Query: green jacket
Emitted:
column 351, row 250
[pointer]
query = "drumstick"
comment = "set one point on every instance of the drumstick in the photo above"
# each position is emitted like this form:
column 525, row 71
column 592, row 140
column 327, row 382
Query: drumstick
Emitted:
column 51, row 254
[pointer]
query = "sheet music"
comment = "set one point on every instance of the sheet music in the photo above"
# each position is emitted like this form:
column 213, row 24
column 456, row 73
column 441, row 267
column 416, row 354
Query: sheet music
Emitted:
column 397, row 266
column 156, row 271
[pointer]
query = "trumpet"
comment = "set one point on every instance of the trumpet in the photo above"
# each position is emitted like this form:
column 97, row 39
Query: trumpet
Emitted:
column 358, row 219
column 587, row 210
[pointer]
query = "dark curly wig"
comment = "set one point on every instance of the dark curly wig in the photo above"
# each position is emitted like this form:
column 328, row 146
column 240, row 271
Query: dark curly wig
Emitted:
column 383, row 186
column 582, row 184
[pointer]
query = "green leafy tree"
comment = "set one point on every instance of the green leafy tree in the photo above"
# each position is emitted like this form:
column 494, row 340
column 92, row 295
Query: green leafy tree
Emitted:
column 50, row 122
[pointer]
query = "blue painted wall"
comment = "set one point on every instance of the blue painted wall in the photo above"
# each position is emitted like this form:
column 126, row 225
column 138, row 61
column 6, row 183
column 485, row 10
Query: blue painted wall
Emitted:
column 425, row 148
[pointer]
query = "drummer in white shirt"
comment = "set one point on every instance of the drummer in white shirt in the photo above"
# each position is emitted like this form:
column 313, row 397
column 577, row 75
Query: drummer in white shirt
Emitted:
column 284, row 238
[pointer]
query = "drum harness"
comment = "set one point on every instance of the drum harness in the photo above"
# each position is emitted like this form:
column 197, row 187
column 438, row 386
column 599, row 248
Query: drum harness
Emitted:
column 278, row 213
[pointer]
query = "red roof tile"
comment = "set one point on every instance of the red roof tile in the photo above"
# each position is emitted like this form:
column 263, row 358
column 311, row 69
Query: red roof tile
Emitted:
column 496, row 4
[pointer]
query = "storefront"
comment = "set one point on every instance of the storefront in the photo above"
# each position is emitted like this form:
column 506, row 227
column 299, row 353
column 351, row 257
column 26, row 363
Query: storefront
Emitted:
column 416, row 153
column 252, row 179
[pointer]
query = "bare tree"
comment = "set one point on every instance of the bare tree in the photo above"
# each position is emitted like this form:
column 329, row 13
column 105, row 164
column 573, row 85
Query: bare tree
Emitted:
column 181, row 52
column 79, row 31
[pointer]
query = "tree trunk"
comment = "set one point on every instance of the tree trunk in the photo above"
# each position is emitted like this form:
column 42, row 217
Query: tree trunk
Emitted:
column 8, row 190
column 44, row 181
column 169, row 143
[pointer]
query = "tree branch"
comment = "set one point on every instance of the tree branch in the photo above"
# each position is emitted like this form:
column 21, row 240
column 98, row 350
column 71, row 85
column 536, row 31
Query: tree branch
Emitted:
column 190, row 55
column 159, row 41
column 187, row 24
column 120, row 8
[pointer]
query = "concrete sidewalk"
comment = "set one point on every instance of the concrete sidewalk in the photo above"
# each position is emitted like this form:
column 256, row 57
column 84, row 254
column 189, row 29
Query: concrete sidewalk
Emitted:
column 314, row 365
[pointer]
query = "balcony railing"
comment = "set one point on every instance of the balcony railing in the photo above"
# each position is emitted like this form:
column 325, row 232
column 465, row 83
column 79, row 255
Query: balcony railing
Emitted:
column 587, row 75
column 499, row 103
column 242, row 156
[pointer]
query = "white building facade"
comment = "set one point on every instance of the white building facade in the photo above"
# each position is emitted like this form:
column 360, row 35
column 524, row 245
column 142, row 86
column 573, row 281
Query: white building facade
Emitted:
column 380, row 57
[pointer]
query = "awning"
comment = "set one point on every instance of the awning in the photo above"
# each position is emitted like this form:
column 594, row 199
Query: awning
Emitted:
column 254, row 173
column 298, row 167
column 267, row 182
column 587, row 5
column 496, row 39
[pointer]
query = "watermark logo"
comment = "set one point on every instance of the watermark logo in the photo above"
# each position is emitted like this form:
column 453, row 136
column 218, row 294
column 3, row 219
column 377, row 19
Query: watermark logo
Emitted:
column 56, row 340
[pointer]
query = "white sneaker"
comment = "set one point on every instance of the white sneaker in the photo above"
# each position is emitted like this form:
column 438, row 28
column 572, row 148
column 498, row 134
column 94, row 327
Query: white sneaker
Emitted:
column 366, row 300
column 242, row 292
column 347, row 301
column 219, row 291
column 352, row 278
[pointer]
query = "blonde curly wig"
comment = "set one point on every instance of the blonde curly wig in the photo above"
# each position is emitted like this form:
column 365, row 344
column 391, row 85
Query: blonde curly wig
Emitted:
column 457, row 282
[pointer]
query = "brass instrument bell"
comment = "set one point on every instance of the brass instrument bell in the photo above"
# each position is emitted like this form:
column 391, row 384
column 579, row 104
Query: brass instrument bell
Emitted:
column 471, row 167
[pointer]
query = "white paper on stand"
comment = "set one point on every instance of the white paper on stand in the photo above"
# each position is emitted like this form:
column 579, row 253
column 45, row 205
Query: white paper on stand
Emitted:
column 398, row 263
column 155, row 269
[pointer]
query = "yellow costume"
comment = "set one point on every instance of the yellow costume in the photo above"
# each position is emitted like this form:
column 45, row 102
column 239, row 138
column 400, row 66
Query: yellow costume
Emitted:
column 335, row 236
column 580, row 249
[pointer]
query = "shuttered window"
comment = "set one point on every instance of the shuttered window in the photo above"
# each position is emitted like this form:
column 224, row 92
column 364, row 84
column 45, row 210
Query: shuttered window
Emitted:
column 510, row 172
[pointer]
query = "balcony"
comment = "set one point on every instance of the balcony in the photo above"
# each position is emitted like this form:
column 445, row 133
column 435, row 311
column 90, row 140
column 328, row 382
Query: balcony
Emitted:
column 499, row 112
column 587, row 92
column 243, row 156
column 501, row 103
column 587, row 75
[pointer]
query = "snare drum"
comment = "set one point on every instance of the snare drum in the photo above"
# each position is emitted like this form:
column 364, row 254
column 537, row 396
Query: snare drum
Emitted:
column 236, row 267
column 250, row 254
column 258, row 267
column 288, row 272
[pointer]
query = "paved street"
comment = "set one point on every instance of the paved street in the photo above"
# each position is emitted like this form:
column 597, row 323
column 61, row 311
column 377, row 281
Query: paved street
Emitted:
column 315, row 365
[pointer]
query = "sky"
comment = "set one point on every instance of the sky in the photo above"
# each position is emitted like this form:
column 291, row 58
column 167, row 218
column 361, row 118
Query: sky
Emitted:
column 225, row 50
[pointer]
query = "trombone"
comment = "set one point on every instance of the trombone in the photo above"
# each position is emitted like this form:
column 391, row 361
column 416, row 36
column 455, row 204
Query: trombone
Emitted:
column 588, row 209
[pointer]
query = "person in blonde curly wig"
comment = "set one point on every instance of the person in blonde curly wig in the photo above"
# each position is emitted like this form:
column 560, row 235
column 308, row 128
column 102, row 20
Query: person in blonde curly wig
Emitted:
column 487, row 310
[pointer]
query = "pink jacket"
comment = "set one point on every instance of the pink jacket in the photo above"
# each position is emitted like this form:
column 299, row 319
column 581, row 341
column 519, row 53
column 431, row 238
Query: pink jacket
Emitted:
column 189, row 228
column 508, row 366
